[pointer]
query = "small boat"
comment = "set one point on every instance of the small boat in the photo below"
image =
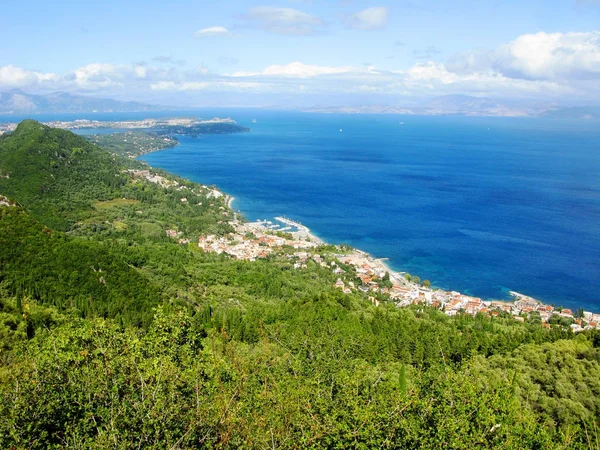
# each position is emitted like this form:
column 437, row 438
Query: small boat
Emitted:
column 340, row 130
column 253, row 120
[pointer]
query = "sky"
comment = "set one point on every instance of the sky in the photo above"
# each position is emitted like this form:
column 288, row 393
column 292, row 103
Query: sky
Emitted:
column 259, row 53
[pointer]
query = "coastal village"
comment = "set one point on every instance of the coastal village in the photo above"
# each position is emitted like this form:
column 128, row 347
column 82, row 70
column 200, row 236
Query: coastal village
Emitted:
column 260, row 239
column 357, row 271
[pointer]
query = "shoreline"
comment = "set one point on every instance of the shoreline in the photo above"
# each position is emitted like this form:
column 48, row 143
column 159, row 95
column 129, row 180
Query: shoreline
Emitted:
column 429, row 295
column 303, row 231
column 405, row 292
column 518, row 305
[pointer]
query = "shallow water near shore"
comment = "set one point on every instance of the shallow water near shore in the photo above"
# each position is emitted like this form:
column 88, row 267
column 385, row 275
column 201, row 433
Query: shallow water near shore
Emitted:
column 478, row 205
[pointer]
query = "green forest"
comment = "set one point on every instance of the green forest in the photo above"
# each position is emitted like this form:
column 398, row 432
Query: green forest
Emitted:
column 116, row 334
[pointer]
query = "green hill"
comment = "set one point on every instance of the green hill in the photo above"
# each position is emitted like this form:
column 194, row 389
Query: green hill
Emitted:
column 117, row 332
column 55, row 174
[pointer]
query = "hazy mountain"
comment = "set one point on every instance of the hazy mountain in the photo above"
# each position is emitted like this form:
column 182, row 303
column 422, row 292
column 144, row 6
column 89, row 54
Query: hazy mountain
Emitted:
column 480, row 106
column 444, row 105
column 579, row 112
column 17, row 101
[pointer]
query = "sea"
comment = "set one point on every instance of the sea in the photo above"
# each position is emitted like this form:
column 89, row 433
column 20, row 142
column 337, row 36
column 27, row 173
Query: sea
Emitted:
column 479, row 205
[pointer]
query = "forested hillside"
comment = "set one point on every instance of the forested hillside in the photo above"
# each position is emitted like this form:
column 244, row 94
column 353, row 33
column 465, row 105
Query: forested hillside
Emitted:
column 116, row 330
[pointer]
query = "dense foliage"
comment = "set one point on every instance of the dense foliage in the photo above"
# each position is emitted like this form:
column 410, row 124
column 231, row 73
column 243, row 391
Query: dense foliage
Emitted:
column 133, row 143
column 113, row 334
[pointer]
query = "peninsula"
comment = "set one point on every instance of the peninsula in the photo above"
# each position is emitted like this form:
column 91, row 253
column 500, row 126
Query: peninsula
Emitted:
column 175, row 125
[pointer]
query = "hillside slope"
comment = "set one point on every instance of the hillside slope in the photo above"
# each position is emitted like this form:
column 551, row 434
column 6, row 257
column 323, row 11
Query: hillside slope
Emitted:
column 17, row 101
column 55, row 173
column 116, row 330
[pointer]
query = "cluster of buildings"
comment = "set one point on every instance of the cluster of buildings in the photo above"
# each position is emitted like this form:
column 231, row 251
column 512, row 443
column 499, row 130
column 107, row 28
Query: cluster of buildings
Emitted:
column 251, row 243
column 174, row 234
column 4, row 201
column 371, row 273
column 153, row 178
column 166, row 183
column 126, row 124
column 7, row 128
column 370, row 276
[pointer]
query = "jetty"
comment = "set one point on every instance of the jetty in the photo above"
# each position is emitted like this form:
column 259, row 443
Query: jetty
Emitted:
column 303, row 231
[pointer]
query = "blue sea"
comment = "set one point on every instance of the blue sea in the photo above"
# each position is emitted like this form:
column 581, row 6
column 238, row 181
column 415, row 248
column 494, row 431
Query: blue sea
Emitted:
column 477, row 205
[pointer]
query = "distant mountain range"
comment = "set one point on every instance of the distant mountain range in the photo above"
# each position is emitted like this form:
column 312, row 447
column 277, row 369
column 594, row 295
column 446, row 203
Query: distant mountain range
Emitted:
column 17, row 101
column 466, row 105
column 579, row 112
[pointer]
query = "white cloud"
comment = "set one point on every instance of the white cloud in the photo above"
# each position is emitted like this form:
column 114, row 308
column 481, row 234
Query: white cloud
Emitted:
column 212, row 31
column 216, row 85
column 436, row 77
column 543, row 66
column 13, row 76
column 97, row 76
column 540, row 56
column 286, row 21
column 164, row 86
column 140, row 71
column 370, row 19
column 298, row 70
column 429, row 78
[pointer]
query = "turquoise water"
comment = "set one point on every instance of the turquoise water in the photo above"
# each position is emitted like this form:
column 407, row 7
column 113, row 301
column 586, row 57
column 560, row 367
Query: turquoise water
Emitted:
column 478, row 205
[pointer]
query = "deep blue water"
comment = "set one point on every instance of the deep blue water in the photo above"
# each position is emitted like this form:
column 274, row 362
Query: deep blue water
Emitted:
column 478, row 205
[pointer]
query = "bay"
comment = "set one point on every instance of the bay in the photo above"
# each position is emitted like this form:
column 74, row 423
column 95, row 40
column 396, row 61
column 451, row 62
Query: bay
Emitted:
column 477, row 205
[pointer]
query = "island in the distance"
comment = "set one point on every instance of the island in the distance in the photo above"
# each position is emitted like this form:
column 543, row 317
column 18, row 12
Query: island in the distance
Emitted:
column 144, row 136
column 176, row 125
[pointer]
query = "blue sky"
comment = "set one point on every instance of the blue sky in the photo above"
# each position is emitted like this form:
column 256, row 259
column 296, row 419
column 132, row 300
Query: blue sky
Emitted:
column 199, row 52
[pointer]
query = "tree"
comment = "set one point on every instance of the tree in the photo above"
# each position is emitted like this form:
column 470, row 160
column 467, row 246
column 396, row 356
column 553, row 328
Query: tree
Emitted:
column 426, row 283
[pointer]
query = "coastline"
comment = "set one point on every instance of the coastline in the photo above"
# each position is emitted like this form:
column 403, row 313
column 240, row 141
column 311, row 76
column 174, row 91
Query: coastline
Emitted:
column 303, row 231
column 408, row 292
column 453, row 302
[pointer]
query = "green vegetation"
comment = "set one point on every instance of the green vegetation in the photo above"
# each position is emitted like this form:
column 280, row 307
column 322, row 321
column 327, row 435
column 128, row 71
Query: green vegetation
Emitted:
column 206, row 128
column 115, row 334
column 133, row 143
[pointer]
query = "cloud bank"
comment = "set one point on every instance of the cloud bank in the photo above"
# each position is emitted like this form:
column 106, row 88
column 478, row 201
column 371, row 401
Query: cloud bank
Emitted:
column 540, row 56
column 541, row 66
